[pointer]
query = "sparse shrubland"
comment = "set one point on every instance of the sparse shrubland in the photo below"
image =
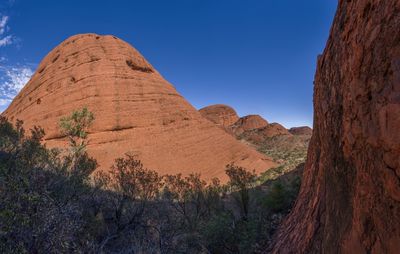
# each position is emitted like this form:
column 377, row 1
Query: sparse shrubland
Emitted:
column 54, row 202
column 287, row 150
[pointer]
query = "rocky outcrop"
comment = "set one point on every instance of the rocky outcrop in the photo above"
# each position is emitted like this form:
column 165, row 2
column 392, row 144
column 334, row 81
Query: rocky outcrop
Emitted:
column 247, row 123
column 302, row 130
column 259, row 135
column 349, row 201
column 136, row 110
column 221, row 115
column 252, row 128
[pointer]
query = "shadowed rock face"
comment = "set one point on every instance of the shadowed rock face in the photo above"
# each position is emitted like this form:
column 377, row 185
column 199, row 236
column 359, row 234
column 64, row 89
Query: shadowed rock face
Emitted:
column 349, row 201
column 136, row 110
column 221, row 115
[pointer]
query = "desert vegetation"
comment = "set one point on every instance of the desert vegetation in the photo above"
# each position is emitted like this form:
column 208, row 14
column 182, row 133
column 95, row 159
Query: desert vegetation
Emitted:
column 59, row 201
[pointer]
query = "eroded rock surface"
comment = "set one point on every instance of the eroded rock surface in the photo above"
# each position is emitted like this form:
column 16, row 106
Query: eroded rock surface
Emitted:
column 349, row 201
column 136, row 110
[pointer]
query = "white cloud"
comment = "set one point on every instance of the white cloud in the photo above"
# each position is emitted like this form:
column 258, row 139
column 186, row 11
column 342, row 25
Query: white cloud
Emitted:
column 19, row 76
column 12, row 77
column 3, row 24
column 8, row 39
column 12, row 80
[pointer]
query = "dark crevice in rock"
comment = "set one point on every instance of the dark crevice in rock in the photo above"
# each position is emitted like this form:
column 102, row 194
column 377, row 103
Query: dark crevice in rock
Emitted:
column 135, row 67
column 55, row 59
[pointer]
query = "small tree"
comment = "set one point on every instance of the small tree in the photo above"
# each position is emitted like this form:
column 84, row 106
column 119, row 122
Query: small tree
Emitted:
column 188, row 197
column 75, row 128
column 76, row 165
column 240, row 180
column 134, row 188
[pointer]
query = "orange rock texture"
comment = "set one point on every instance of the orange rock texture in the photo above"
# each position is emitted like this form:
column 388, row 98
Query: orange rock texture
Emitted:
column 349, row 200
column 136, row 110
column 221, row 115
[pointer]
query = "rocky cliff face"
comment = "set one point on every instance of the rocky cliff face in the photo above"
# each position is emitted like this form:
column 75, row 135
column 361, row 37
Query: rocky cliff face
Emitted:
column 350, row 196
column 221, row 115
column 136, row 110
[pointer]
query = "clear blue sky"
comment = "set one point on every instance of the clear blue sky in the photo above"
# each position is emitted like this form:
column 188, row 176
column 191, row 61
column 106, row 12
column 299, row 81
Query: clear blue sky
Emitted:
column 258, row 56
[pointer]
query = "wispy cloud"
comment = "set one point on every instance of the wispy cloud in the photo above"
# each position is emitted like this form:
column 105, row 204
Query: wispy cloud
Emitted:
column 12, row 80
column 3, row 23
column 8, row 40
column 13, row 77
column 5, row 40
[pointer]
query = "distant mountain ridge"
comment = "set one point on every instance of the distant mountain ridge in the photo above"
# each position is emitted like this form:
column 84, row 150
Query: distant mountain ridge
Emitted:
column 253, row 128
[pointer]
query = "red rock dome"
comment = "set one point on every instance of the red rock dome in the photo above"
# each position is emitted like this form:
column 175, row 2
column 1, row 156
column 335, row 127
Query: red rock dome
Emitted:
column 247, row 123
column 220, row 114
column 136, row 110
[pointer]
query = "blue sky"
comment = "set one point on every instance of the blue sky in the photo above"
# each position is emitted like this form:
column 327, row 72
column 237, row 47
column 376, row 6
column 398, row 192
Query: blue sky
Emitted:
column 258, row 56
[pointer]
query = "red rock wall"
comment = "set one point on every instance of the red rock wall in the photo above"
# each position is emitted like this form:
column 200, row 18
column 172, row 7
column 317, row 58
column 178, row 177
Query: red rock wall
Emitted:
column 350, row 196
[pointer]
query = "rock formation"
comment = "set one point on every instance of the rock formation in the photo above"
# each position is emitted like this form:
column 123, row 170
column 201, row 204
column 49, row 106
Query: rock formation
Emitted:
column 249, row 122
column 136, row 110
column 252, row 128
column 221, row 115
column 257, row 136
column 349, row 201
column 302, row 130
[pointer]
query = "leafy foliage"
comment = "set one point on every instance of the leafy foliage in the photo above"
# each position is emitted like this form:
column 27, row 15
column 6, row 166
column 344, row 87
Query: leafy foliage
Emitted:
column 41, row 208
column 75, row 127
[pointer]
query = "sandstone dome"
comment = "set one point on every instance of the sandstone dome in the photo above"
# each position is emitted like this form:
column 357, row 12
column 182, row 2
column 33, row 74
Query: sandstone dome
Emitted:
column 137, row 111
column 249, row 122
column 220, row 114
column 259, row 135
